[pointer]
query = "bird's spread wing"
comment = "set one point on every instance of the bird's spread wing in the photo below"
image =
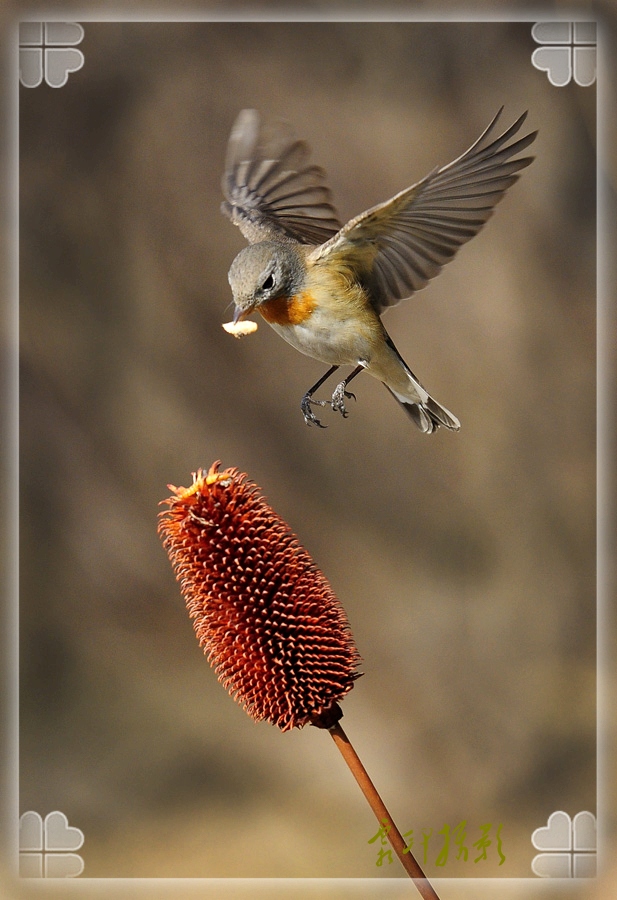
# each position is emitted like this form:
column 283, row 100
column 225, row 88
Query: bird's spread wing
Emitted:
column 271, row 191
column 398, row 246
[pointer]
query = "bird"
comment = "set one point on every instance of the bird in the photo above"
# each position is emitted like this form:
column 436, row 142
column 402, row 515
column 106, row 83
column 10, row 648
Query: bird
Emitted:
column 323, row 286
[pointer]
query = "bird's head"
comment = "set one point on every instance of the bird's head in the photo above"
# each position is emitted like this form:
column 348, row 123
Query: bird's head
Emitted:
column 262, row 272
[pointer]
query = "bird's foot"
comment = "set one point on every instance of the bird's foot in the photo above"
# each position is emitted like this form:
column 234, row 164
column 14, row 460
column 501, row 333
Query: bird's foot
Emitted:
column 309, row 416
column 338, row 399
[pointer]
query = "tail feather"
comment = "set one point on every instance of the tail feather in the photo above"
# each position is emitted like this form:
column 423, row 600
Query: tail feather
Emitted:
column 428, row 415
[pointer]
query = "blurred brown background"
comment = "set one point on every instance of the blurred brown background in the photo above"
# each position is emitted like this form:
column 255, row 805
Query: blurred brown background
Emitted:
column 465, row 562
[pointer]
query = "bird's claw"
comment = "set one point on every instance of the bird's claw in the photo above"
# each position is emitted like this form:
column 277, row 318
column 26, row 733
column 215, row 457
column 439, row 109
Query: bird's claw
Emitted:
column 309, row 416
column 338, row 399
column 337, row 403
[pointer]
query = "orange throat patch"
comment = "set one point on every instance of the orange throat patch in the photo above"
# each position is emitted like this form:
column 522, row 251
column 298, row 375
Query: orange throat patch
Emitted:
column 288, row 310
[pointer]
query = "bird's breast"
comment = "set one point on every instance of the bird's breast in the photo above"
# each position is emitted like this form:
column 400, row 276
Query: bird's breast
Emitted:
column 331, row 320
column 288, row 310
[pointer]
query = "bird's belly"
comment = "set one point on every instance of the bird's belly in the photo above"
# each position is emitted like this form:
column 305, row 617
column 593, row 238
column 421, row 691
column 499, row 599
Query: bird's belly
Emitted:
column 337, row 343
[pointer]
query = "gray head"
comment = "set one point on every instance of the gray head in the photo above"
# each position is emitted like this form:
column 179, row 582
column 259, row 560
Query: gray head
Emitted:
column 264, row 271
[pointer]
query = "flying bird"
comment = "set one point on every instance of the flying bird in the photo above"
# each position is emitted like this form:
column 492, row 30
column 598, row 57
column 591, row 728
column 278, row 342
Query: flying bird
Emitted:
column 322, row 286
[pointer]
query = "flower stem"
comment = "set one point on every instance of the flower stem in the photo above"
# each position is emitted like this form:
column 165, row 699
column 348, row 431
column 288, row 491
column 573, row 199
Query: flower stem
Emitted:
column 369, row 790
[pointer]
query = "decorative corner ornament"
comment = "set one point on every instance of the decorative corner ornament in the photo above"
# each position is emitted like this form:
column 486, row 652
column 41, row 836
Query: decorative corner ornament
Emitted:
column 48, row 51
column 569, row 50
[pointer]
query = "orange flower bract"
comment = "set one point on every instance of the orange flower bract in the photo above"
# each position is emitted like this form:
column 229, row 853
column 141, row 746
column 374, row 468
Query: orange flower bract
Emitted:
column 266, row 617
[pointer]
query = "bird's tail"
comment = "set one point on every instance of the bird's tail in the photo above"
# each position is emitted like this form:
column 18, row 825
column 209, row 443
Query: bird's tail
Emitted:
column 427, row 414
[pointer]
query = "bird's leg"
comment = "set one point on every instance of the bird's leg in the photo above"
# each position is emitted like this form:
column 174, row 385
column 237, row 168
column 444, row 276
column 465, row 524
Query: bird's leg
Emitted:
column 340, row 393
column 309, row 416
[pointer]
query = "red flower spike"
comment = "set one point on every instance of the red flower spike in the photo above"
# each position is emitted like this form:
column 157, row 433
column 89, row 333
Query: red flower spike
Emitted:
column 266, row 617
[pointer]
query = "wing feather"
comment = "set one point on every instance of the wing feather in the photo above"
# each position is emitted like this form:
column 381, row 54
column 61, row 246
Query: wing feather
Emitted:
column 270, row 189
column 409, row 238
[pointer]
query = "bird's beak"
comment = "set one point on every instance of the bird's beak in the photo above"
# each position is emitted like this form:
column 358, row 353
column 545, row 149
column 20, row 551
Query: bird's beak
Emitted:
column 240, row 314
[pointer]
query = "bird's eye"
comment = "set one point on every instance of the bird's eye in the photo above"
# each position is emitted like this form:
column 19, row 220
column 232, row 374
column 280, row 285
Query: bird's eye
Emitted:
column 268, row 283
